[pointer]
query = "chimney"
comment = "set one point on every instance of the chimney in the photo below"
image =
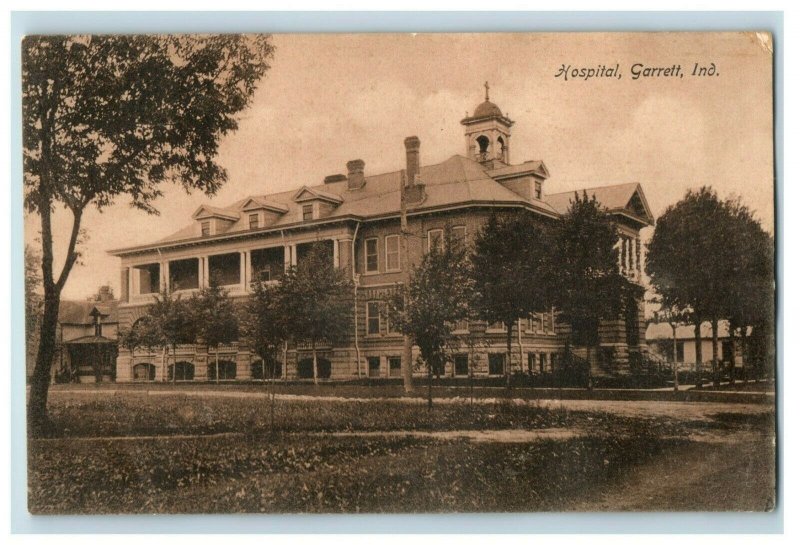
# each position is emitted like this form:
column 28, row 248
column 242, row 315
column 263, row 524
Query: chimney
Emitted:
column 333, row 178
column 412, row 160
column 355, row 174
column 105, row 295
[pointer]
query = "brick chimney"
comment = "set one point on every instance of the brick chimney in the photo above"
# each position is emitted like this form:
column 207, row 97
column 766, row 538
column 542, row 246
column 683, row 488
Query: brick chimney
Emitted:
column 355, row 174
column 415, row 190
column 104, row 295
column 412, row 160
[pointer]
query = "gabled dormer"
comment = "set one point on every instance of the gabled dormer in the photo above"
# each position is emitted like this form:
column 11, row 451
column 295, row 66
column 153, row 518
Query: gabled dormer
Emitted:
column 259, row 212
column 213, row 221
column 526, row 179
column 315, row 203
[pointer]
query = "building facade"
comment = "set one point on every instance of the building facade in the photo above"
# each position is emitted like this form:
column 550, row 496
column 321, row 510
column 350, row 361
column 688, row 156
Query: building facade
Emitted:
column 358, row 216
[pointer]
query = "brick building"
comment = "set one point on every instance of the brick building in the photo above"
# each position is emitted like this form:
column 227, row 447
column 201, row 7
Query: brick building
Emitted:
column 357, row 214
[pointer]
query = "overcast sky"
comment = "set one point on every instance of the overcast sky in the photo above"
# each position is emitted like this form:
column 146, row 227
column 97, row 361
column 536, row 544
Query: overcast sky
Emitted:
column 331, row 98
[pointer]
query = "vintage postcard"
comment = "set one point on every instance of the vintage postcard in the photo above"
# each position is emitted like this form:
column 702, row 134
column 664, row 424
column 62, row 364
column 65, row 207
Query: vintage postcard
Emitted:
column 399, row 273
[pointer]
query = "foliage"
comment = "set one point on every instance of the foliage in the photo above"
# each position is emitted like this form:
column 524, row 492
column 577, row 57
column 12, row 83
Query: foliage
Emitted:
column 312, row 301
column 169, row 321
column 214, row 316
column 512, row 270
column 438, row 295
column 113, row 115
column 590, row 287
column 34, row 303
column 262, row 325
column 713, row 258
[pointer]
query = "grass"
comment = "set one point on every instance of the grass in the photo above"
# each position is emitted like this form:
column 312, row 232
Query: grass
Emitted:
column 175, row 460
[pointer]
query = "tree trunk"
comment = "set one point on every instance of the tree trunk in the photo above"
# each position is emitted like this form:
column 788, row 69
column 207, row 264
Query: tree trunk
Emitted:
column 743, row 343
column 430, row 385
column 509, row 328
column 698, row 354
column 164, row 369
column 314, row 361
column 40, row 381
column 589, row 383
column 174, row 364
column 216, row 365
column 675, row 354
column 714, row 352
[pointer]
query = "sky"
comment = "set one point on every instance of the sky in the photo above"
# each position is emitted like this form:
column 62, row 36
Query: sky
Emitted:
column 331, row 98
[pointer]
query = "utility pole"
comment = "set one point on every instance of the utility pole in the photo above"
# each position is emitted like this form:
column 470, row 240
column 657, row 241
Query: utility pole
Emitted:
column 406, row 363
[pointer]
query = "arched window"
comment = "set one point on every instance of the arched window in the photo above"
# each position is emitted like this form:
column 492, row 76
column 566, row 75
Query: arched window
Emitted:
column 144, row 372
column 483, row 147
column 305, row 368
column 181, row 371
column 260, row 370
column 501, row 148
column 227, row 370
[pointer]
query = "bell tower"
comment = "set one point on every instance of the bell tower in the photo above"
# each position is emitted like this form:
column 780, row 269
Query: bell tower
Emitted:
column 488, row 134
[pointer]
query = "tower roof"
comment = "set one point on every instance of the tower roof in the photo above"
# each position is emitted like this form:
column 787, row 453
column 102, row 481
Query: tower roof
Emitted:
column 487, row 109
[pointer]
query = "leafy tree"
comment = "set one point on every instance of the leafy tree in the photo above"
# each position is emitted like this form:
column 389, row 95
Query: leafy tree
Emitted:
column 512, row 273
column 266, row 332
column 751, row 293
column 692, row 262
column 438, row 295
column 313, row 301
column 34, row 303
column 590, row 287
column 215, row 319
column 106, row 116
column 168, row 322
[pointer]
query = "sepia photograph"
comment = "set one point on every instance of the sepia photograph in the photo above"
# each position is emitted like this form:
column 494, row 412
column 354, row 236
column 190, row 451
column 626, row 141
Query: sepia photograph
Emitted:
column 399, row 273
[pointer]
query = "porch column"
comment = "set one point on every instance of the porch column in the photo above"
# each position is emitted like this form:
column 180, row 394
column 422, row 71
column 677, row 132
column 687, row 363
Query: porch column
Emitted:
column 335, row 253
column 293, row 253
column 620, row 250
column 201, row 273
column 248, row 270
column 638, row 258
column 243, row 270
column 164, row 273
column 287, row 256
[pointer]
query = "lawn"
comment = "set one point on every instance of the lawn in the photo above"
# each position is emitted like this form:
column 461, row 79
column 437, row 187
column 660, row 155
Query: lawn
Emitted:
column 134, row 453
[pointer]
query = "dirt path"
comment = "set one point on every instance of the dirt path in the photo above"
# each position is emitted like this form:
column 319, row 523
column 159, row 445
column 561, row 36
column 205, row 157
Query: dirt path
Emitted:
column 737, row 474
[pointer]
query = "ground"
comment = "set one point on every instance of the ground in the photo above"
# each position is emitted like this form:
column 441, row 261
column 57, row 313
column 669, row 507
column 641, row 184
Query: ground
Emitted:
column 203, row 450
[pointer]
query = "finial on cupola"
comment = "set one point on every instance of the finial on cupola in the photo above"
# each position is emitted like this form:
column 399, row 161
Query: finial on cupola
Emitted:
column 486, row 84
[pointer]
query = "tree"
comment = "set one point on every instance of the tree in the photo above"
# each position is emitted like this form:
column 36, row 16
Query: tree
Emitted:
column 215, row 319
column 512, row 273
column 168, row 322
column 106, row 116
column 266, row 332
column 590, row 287
column 313, row 300
column 675, row 317
column 34, row 303
column 751, row 293
column 437, row 296
column 691, row 262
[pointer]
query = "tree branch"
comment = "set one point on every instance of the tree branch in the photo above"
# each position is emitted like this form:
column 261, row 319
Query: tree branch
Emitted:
column 72, row 256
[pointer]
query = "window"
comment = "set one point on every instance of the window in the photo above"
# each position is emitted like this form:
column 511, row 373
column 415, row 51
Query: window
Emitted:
column 253, row 221
column 461, row 325
column 144, row 372
column 371, row 251
column 542, row 362
column 531, row 363
column 461, row 363
column 227, row 370
column 460, row 236
column 497, row 326
column 496, row 364
column 538, row 190
column 183, row 370
column 435, row 239
column 395, row 367
column 680, row 354
column 373, row 318
column 393, row 253
column 205, row 228
column 534, row 323
column 148, row 276
column 391, row 327
column 225, row 269
column 548, row 322
column 374, row 364
column 308, row 212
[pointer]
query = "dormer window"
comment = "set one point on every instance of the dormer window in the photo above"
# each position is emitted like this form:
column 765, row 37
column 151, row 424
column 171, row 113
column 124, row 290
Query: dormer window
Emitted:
column 538, row 190
column 205, row 228
column 253, row 219
column 308, row 212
